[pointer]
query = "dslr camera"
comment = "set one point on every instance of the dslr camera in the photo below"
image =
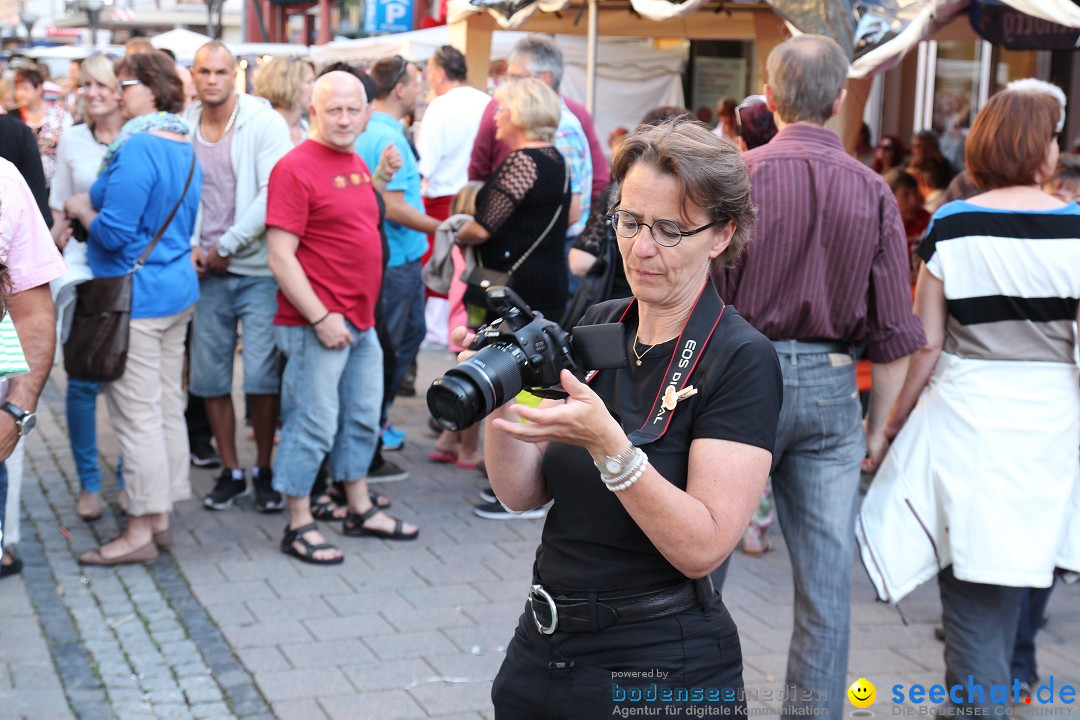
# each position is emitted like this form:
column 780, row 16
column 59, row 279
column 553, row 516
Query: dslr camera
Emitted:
column 520, row 350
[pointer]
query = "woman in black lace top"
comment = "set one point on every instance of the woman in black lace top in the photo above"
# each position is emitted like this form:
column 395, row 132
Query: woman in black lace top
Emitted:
column 526, row 203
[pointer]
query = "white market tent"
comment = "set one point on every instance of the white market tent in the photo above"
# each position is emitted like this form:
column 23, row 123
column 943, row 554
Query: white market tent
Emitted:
column 632, row 75
column 182, row 42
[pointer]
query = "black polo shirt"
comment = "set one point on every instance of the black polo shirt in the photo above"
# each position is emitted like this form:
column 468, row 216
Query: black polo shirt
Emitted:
column 19, row 147
column 590, row 542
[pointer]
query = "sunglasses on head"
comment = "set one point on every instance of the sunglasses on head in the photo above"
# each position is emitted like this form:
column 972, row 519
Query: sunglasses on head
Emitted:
column 748, row 102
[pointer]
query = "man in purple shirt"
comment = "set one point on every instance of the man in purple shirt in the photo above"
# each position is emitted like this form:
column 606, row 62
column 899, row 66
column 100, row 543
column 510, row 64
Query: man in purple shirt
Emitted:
column 488, row 152
column 826, row 270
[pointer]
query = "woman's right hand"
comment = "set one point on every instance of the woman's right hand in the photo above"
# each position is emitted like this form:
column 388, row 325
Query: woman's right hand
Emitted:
column 463, row 337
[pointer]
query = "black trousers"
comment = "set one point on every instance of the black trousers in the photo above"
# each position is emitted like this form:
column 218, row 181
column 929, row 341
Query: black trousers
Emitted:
column 660, row 668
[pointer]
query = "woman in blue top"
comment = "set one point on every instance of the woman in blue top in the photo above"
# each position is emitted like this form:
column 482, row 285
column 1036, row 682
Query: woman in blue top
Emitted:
column 143, row 177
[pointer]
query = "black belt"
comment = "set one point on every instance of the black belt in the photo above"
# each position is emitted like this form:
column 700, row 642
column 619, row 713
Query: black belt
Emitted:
column 585, row 615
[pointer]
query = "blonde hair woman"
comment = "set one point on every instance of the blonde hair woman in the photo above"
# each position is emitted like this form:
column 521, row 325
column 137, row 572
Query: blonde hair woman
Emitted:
column 78, row 159
column 287, row 83
column 527, row 194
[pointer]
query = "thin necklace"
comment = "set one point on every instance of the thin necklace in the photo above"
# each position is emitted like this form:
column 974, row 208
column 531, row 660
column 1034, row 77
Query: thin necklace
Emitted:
column 639, row 357
column 228, row 127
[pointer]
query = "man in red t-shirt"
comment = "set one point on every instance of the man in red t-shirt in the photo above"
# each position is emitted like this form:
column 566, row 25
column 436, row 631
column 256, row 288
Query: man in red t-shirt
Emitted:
column 325, row 251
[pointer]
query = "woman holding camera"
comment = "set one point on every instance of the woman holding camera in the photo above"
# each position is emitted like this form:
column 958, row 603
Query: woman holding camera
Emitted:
column 655, row 468
column 523, row 209
column 78, row 160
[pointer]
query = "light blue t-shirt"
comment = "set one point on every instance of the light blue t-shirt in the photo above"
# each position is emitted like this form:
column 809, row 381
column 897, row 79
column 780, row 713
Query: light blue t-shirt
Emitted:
column 134, row 197
column 571, row 142
column 406, row 244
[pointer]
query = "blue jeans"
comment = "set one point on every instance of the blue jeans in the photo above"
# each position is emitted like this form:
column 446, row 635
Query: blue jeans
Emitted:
column 81, row 409
column 3, row 503
column 980, row 632
column 815, row 475
column 330, row 402
column 224, row 301
column 403, row 304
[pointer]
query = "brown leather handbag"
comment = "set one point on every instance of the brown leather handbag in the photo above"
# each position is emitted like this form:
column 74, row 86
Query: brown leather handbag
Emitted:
column 96, row 349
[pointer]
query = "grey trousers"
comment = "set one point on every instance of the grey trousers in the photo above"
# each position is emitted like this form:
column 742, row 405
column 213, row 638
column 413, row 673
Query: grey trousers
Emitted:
column 980, row 630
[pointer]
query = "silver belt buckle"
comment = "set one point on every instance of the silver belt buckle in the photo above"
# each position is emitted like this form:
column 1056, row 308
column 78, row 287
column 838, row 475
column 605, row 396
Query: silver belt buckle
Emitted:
column 539, row 591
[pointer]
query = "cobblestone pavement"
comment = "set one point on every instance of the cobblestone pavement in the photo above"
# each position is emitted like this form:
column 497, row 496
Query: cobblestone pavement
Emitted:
column 225, row 626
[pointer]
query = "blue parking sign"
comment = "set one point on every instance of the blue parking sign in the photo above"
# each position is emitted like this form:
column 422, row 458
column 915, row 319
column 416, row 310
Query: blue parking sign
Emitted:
column 388, row 16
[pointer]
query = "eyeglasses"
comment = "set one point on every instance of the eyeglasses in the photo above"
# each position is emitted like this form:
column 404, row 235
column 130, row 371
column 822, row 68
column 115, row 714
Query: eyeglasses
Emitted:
column 748, row 102
column 128, row 83
column 665, row 233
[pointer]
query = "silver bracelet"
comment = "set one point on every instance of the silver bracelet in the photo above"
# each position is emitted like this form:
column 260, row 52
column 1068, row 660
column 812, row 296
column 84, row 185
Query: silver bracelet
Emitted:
column 637, row 461
column 638, row 472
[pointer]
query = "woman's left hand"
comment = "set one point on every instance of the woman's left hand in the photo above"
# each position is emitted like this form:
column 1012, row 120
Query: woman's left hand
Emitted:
column 78, row 206
column 582, row 419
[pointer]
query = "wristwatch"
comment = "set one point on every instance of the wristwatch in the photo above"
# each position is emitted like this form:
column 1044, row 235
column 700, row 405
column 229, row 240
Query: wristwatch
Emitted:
column 221, row 252
column 614, row 465
column 24, row 419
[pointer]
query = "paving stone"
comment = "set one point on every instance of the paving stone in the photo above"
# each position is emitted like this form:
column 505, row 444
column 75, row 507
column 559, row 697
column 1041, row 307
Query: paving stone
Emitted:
column 210, row 711
column 296, row 684
column 389, row 705
column 328, row 654
column 203, row 695
column 451, row 697
column 388, row 675
column 263, row 659
column 348, row 628
column 306, row 709
column 261, row 636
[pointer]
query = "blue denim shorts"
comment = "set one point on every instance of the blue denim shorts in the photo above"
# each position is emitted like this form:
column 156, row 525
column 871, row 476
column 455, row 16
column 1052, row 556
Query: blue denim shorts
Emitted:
column 224, row 302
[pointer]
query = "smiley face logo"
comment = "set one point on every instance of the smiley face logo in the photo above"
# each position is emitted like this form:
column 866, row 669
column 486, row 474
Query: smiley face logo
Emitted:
column 862, row 693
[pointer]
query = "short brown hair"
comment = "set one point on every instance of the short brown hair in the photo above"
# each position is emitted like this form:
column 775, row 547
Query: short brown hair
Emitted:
column 31, row 76
column 710, row 172
column 1008, row 141
column 156, row 71
column 138, row 45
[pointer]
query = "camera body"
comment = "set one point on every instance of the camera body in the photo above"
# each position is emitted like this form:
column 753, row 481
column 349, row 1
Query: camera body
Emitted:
column 520, row 350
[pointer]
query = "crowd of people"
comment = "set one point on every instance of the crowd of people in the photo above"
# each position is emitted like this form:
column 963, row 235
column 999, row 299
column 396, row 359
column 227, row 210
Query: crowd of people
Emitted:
column 307, row 225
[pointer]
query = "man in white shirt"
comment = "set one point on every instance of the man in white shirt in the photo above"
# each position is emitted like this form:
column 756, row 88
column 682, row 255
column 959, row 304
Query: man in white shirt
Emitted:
column 444, row 142
column 446, row 135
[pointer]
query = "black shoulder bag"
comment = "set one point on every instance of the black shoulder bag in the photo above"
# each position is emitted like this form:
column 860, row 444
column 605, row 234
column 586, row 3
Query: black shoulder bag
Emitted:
column 96, row 349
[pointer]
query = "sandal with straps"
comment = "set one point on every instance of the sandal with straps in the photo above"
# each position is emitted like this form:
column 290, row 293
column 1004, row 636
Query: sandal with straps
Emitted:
column 336, row 493
column 354, row 527
column 308, row 555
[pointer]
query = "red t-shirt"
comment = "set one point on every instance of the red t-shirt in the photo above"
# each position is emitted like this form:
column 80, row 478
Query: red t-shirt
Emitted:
column 326, row 198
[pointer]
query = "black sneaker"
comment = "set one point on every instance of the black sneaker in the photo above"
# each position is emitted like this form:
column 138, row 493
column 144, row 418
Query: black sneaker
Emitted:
column 267, row 499
column 488, row 495
column 203, row 454
column 226, row 491
column 387, row 472
column 495, row 511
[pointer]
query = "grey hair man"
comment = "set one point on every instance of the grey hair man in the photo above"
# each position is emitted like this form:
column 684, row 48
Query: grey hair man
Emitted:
column 823, row 277
column 239, row 139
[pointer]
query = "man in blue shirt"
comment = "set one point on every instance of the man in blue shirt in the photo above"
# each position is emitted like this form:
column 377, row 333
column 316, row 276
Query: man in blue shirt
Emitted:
column 407, row 227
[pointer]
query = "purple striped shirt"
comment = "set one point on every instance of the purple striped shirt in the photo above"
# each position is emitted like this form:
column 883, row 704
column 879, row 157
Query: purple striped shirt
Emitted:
column 828, row 258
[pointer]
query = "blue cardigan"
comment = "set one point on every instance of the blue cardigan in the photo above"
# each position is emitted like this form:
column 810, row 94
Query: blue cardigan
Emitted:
column 134, row 196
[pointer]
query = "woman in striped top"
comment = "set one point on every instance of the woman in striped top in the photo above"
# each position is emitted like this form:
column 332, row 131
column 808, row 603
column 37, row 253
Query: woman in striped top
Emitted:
column 982, row 484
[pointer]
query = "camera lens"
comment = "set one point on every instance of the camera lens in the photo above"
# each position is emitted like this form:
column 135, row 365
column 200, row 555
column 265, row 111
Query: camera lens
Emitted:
column 471, row 391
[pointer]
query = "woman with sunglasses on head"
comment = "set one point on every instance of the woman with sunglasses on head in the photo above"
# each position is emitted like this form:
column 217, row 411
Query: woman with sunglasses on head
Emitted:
column 889, row 154
column 654, row 468
column 78, row 160
column 150, row 185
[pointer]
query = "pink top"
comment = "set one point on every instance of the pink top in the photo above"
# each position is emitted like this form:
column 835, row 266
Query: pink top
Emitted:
column 26, row 247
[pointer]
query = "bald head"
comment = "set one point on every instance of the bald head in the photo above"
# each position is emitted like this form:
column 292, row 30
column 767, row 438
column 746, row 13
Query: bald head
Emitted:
column 214, row 73
column 338, row 105
column 337, row 82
